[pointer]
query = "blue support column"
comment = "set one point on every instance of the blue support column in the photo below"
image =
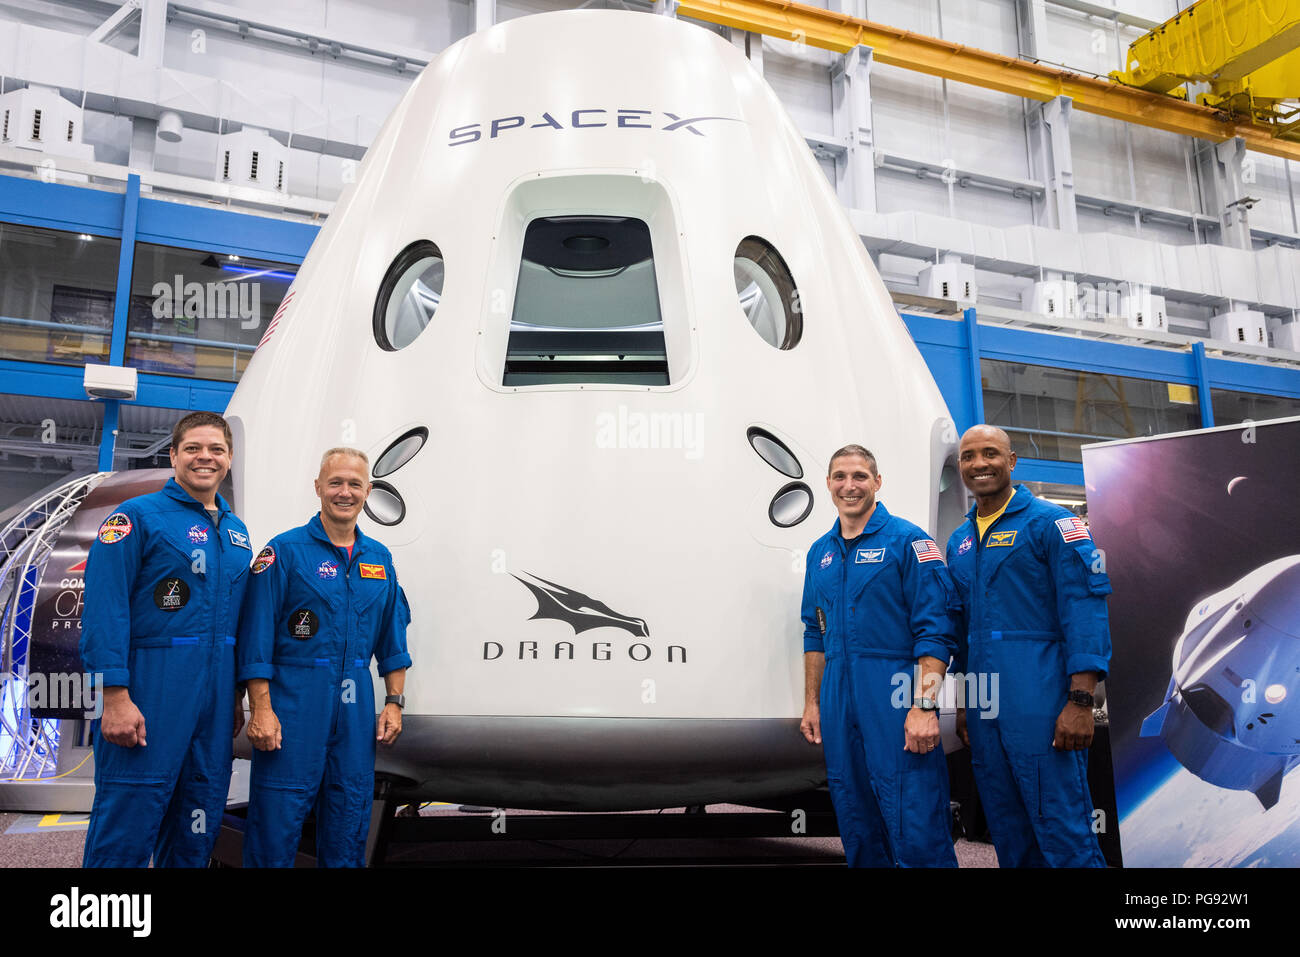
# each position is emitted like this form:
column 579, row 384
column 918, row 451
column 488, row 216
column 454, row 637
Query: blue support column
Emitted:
column 121, row 312
column 1202, row 370
column 125, row 265
column 108, row 438
column 973, row 356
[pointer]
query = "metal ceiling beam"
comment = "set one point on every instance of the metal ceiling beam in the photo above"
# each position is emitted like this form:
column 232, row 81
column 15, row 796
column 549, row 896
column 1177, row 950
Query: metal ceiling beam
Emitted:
column 993, row 71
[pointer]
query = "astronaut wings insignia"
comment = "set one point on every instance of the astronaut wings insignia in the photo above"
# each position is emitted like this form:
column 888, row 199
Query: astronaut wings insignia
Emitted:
column 578, row 610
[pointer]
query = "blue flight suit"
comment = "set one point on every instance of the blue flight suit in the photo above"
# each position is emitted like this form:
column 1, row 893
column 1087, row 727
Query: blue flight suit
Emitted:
column 311, row 624
column 874, row 606
column 163, row 592
column 1035, row 612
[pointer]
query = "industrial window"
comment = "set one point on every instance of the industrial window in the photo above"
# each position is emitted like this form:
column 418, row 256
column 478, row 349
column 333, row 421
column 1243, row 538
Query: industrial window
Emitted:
column 586, row 305
column 225, row 166
column 201, row 314
column 252, row 169
column 279, row 178
column 36, row 125
column 1050, row 413
column 57, row 301
column 767, row 293
column 5, row 135
column 69, row 131
column 408, row 296
column 1233, row 407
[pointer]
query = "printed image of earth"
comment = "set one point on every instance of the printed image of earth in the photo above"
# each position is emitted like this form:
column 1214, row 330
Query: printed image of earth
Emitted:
column 1186, row 822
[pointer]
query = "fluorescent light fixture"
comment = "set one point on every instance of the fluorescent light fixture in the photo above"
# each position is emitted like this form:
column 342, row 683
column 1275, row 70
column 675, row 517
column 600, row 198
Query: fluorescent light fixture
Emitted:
column 253, row 271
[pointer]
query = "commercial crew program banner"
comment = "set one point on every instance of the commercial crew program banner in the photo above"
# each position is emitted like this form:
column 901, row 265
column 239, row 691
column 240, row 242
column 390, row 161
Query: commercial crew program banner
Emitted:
column 1200, row 534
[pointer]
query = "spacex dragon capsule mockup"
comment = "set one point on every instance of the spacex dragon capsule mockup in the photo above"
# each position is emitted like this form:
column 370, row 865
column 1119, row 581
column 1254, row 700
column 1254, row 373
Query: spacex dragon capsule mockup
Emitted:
column 1229, row 715
column 596, row 315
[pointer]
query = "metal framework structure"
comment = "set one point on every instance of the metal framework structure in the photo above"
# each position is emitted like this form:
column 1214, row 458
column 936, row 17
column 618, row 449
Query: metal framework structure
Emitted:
column 841, row 33
column 29, row 746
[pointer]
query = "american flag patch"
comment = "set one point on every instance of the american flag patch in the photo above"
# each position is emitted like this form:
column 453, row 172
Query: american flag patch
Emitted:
column 927, row 551
column 275, row 320
column 1073, row 529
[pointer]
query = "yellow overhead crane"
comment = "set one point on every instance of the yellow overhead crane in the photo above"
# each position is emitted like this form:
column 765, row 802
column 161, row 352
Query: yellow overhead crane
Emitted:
column 1248, row 51
column 1035, row 81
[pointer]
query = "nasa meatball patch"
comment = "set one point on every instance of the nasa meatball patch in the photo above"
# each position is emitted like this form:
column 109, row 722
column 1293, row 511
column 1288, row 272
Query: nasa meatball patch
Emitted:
column 303, row 624
column 264, row 560
column 115, row 528
column 171, row 594
column 373, row 571
column 965, row 546
column 197, row 535
column 327, row 570
column 827, row 559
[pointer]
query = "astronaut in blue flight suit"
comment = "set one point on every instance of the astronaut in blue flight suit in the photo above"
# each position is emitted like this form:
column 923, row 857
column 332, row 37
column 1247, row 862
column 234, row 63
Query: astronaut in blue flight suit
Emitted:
column 878, row 609
column 164, row 583
column 323, row 600
column 1034, row 594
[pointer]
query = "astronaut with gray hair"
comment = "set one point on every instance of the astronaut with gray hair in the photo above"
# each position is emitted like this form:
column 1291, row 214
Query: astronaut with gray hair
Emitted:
column 322, row 600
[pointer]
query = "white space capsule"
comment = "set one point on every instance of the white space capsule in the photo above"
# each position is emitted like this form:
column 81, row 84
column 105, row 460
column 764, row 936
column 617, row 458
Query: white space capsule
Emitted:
column 1229, row 715
column 597, row 317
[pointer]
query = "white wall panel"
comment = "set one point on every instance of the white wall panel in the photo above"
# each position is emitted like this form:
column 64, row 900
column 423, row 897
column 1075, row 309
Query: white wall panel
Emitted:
column 898, row 192
column 1095, row 221
column 907, row 113
column 804, row 88
column 986, row 131
column 1274, row 209
column 1159, row 169
column 991, row 207
column 1100, row 151
column 1086, row 43
column 919, row 16
column 986, row 24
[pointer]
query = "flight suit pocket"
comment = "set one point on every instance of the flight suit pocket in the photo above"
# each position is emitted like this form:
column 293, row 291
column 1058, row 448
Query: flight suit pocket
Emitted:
column 1090, row 555
column 326, row 591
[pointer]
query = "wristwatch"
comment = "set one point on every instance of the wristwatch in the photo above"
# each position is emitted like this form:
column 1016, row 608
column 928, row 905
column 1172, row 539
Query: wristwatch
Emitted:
column 926, row 704
column 1083, row 699
column 397, row 699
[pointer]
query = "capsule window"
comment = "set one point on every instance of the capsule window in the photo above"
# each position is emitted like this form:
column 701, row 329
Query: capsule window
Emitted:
column 400, row 452
column 384, row 504
column 774, row 452
column 767, row 294
column 586, row 305
column 791, row 505
column 408, row 296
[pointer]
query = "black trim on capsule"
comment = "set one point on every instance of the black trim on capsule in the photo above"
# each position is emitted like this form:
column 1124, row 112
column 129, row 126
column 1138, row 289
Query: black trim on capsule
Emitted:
column 790, row 487
column 408, row 257
column 385, row 487
column 420, row 431
column 754, row 431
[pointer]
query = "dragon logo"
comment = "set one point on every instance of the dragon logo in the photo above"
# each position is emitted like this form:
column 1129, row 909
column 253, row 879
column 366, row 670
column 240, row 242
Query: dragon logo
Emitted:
column 581, row 612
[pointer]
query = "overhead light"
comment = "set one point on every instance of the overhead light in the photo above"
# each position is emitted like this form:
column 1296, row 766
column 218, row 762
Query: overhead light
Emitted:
column 253, row 271
column 232, row 257
column 87, row 237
